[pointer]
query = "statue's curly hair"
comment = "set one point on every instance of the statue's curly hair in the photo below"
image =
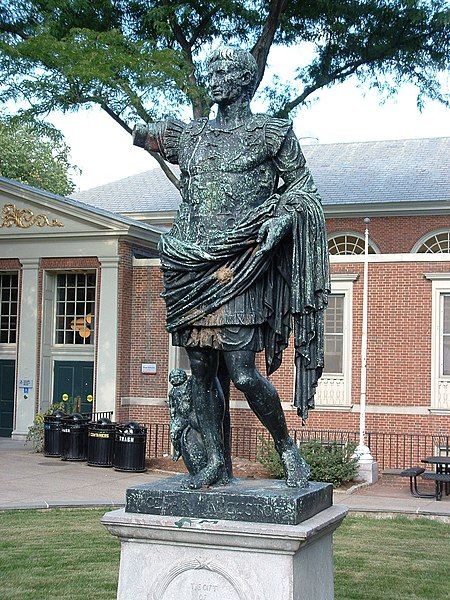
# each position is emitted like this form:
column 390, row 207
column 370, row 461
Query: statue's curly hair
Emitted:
column 243, row 59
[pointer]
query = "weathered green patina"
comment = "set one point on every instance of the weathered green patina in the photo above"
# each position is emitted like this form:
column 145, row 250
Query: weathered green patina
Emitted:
column 245, row 260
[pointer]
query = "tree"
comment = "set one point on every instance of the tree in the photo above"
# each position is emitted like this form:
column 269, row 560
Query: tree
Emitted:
column 35, row 155
column 144, row 59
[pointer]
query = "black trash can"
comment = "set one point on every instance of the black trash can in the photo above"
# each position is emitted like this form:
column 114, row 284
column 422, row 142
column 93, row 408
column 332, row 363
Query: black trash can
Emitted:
column 52, row 433
column 129, row 447
column 100, row 448
column 74, row 437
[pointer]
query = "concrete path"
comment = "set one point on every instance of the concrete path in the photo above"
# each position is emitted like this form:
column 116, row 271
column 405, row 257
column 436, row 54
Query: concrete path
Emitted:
column 29, row 480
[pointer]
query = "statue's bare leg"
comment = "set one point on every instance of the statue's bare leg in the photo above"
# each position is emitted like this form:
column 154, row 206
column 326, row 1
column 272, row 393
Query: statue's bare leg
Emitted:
column 208, row 404
column 265, row 403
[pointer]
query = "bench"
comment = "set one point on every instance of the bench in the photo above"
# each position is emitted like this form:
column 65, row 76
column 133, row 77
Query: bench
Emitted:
column 413, row 473
column 439, row 479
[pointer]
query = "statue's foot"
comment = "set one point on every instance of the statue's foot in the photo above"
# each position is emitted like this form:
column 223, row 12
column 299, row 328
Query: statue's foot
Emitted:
column 296, row 469
column 213, row 473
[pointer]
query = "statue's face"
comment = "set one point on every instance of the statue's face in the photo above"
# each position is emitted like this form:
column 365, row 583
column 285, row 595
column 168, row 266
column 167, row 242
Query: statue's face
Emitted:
column 227, row 81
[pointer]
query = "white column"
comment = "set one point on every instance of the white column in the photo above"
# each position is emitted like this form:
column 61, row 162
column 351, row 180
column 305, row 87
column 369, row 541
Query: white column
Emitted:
column 367, row 466
column 27, row 350
column 107, row 315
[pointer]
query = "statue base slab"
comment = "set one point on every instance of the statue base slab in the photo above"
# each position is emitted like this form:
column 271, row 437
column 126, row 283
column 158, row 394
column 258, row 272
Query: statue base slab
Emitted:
column 172, row 558
column 256, row 501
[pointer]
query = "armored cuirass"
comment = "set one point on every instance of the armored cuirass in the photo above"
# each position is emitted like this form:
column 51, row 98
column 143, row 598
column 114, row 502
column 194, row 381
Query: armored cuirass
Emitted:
column 224, row 172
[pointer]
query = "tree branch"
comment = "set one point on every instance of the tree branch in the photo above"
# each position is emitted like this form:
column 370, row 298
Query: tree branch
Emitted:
column 261, row 49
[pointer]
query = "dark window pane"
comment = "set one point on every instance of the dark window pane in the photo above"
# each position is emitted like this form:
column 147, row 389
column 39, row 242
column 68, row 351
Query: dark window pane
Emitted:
column 60, row 337
column 91, row 279
column 446, row 319
column 81, row 280
column 71, row 280
column 446, row 356
column 81, row 293
column 333, row 354
column 12, row 337
column 70, row 294
column 90, row 294
column 69, row 337
column 5, row 308
column 14, row 308
column 61, row 281
column 3, row 337
column 70, row 309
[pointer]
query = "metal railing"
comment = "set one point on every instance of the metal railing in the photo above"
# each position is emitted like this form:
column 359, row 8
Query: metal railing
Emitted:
column 95, row 416
column 390, row 450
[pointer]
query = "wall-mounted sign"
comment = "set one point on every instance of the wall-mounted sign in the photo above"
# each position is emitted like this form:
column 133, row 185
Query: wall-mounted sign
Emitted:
column 25, row 383
column 148, row 368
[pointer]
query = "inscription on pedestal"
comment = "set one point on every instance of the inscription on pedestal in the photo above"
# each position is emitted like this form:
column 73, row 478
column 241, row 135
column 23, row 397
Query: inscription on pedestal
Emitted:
column 199, row 580
column 262, row 501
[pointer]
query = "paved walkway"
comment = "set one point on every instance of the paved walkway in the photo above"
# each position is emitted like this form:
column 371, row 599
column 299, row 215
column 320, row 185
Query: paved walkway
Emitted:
column 29, row 480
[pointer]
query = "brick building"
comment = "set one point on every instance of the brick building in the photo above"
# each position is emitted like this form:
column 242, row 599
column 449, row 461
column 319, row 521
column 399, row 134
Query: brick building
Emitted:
column 403, row 186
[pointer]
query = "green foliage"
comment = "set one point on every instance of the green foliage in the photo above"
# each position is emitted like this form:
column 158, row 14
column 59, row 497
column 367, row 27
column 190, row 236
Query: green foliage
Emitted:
column 269, row 458
column 330, row 462
column 35, row 154
column 143, row 59
column 36, row 431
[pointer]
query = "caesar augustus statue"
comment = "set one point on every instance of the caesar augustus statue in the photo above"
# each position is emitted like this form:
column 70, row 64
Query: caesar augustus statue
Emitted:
column 245, row 260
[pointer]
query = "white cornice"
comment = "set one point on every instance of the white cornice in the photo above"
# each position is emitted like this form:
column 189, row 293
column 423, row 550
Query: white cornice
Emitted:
column 387, row 209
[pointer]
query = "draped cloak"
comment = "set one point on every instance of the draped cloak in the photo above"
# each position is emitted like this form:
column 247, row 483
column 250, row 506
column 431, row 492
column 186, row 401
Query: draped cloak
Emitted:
column 294, row 277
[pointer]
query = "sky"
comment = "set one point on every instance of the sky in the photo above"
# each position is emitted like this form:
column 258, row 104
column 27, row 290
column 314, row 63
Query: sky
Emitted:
column 343, row 113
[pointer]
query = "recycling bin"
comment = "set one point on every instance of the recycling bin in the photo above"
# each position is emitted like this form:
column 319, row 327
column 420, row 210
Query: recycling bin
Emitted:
column 129, row 447
column 52, row 433
column 74, row 437
column 100, row 443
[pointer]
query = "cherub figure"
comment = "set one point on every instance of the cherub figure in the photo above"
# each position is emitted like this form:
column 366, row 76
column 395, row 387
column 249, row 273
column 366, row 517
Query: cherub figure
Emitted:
column 185, row 435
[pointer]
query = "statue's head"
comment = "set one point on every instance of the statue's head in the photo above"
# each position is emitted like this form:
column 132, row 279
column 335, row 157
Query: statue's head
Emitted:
column 177, row 377
column 232, row 74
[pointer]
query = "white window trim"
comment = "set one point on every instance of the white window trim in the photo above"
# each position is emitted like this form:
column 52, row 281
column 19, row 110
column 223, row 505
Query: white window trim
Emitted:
column 360, row 236
column 440, row 285
column 341, row 284
column 425, row 237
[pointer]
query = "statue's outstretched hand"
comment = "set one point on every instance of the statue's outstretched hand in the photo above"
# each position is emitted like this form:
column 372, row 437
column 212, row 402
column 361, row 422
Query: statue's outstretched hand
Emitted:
column 272, row 232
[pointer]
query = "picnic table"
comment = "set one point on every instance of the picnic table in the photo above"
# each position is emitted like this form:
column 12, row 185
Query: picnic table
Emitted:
column 441, row 474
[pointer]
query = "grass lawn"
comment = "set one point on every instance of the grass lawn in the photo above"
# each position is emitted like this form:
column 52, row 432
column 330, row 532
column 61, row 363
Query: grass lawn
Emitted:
column 56, row 554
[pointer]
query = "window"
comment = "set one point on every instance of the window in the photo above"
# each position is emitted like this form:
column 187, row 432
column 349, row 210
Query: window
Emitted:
column 435, row 244
column 75, row 308
column 445, row 336
column 440, row 342
column 334, row 388
column 334, row 334
column 9, row 289
column 348, row 244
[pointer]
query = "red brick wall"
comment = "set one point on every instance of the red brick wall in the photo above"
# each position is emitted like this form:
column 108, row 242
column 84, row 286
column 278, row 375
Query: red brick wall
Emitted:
column 391, row 234
column 399, row 348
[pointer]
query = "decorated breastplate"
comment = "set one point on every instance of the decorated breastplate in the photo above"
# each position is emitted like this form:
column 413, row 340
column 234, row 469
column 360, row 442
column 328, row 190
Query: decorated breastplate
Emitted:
column 223, row 173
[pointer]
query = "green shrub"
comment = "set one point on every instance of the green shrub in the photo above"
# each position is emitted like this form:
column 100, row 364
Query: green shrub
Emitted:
column 331, row 462
column 36, row 431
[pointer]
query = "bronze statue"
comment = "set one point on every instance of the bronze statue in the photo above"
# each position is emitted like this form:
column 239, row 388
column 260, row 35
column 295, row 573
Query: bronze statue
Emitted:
column 245, row 260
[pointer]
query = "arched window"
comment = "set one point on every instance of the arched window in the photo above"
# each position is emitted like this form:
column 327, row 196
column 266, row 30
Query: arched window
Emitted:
column 436, row 243
column 348, row 243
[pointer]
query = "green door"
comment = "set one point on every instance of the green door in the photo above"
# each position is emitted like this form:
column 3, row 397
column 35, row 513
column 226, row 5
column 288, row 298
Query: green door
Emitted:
column 73, row 385
column 7, row 376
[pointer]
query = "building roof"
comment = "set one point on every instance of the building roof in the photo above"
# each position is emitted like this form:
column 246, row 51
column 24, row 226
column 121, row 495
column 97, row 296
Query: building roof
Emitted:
column 348, row 173
column 93, row 209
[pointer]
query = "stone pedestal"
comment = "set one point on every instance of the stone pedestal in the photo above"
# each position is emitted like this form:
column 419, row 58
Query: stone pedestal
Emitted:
column 185, row 558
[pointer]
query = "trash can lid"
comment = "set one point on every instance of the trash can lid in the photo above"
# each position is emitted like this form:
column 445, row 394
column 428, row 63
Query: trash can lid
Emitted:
column 77, row 417
column 132, row 428
column 58, row 414
column 104, row 421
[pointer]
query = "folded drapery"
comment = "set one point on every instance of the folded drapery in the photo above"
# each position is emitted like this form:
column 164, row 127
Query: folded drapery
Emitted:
column 198, row 281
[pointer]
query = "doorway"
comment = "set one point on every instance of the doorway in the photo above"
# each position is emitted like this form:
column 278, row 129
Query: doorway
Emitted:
column 73, row 385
